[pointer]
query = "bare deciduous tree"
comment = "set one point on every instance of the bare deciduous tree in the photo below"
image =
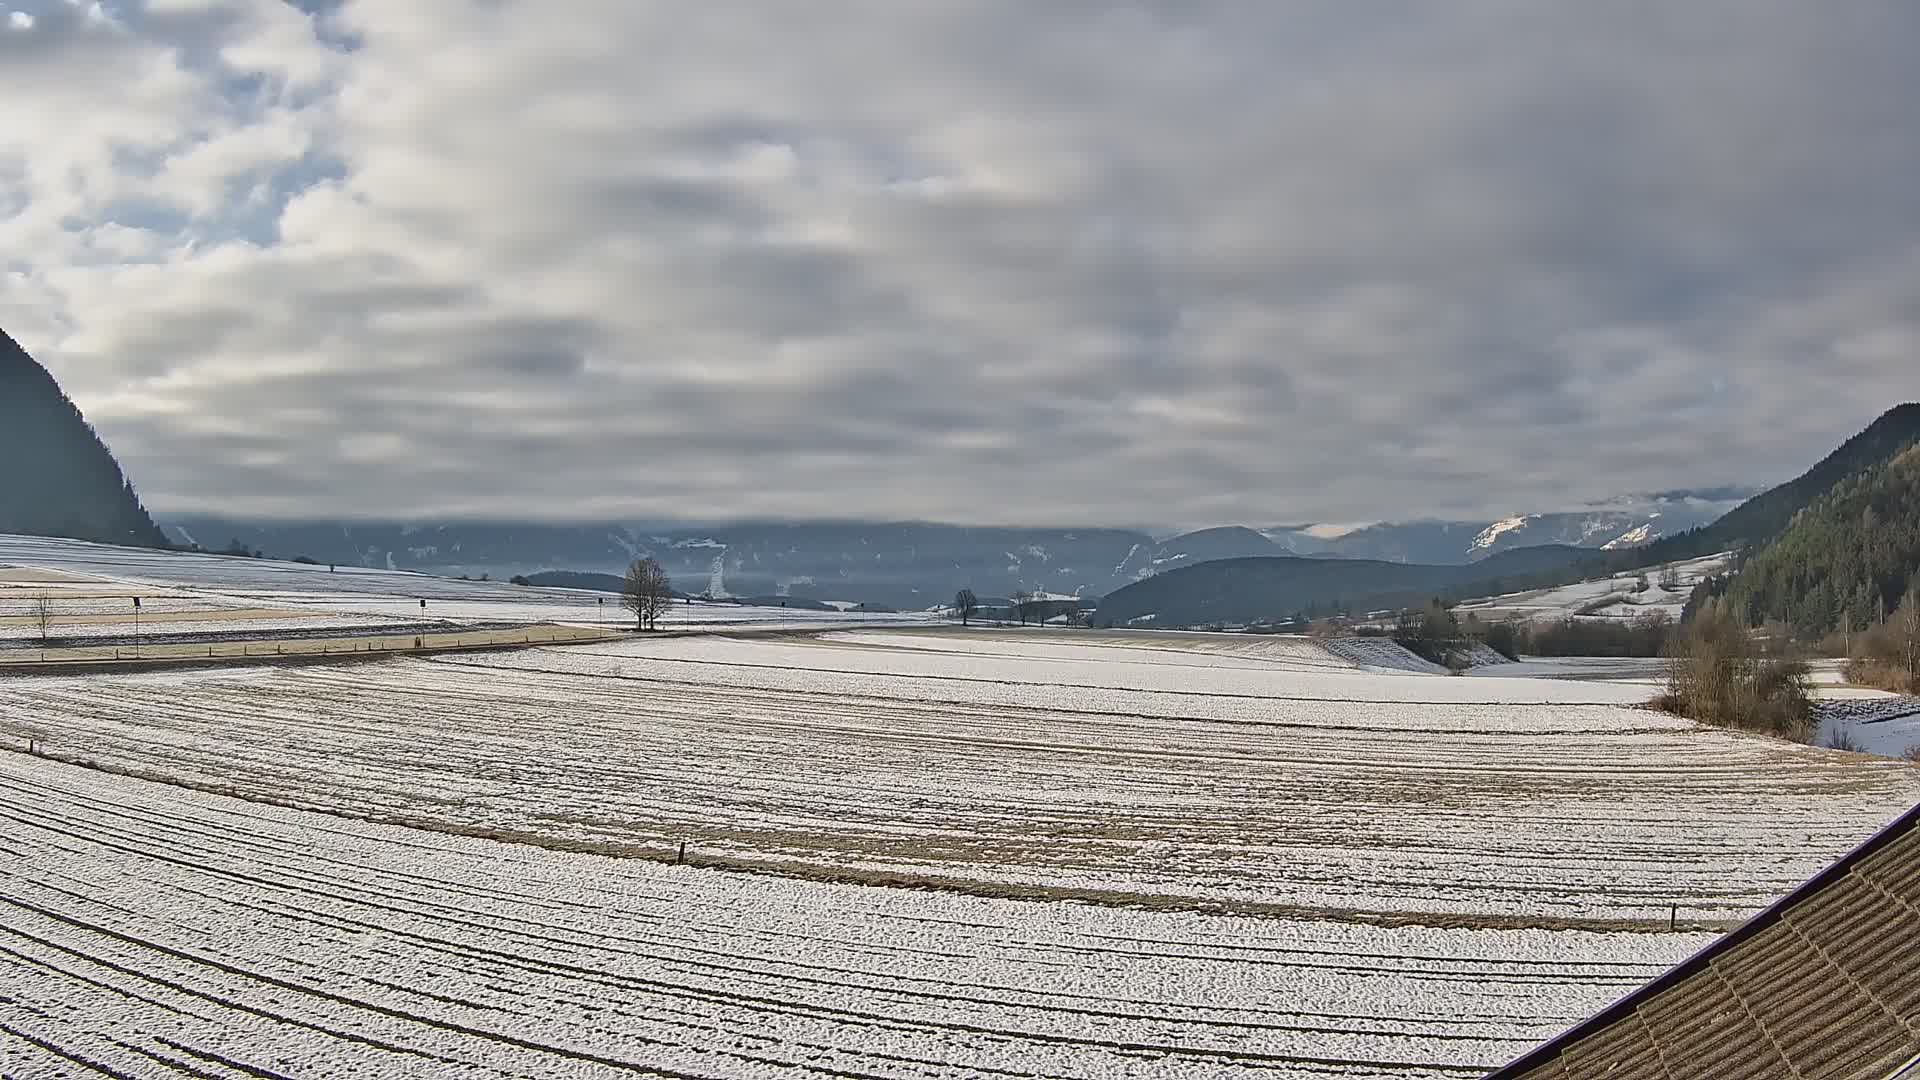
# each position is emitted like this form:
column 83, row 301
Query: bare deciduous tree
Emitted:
column 647, row 591
column 43, row 615
column 1906, row 634
column 965, row 604
column 1720, row 674
column 1022, row 602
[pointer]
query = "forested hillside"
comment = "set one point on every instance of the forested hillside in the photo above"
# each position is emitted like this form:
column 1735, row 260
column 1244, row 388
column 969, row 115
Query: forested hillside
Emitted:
column 1845, row 561
column 1767, row 515
column 56, row 477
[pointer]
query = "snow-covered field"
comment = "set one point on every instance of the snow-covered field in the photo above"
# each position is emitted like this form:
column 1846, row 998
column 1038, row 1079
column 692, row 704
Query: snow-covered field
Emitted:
column 91, row 586
column 150, row 931
column 1128, row 853
column 1249, row 775
column 1590, row 599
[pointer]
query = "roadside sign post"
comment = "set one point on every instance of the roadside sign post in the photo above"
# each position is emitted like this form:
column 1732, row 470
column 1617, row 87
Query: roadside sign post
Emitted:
column 136, row 628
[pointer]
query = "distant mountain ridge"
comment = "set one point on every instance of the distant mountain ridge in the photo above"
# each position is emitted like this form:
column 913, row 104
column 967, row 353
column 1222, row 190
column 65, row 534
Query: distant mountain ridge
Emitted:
column 1827, row 548
column 1274, row 588
column 918, row 565
column 1627, row 522
column 57, row 477
column 900, row 564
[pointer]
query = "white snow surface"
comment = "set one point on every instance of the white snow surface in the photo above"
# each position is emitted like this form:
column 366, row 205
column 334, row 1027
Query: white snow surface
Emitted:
column 1250, row 774
column 1491, row 534
column 1382, row 654
column 146, row 928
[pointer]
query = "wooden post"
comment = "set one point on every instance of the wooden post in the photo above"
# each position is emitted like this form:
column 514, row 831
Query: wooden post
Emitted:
column 682, row 857
column 1673, row 916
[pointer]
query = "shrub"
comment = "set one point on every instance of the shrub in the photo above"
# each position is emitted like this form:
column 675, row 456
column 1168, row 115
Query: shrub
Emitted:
column 1503, row 638
column 1646, row 636
column 1432, row 634
column 1718, row 675
column 1888, row 656
column 1867, row 671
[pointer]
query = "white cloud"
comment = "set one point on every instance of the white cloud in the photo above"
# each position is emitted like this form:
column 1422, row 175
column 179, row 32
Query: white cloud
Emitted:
column 1128, row 262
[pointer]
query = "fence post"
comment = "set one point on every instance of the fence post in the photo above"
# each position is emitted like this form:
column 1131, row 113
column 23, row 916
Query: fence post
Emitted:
column 682, row 857
column 1673, row 916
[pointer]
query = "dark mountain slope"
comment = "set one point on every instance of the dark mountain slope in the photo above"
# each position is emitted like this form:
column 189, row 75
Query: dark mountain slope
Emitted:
column 1250, row 590
column 1845, row 561
column 56, row 477
column 1767, row 515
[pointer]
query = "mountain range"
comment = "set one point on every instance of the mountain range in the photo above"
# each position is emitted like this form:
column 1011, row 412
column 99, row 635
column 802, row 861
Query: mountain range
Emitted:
column 1626, row 522
column 1830, row 550
column 63, row 481
column 911, row 564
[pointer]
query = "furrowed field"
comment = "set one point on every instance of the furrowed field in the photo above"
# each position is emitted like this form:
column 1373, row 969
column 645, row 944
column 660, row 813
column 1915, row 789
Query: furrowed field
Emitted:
column 909, row 852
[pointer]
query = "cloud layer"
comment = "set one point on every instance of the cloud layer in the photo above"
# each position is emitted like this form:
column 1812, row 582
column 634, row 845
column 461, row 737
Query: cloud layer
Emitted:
column 1130, row 263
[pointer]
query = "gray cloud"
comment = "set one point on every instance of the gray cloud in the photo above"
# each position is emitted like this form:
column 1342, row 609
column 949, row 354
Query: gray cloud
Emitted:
column 1084, row 262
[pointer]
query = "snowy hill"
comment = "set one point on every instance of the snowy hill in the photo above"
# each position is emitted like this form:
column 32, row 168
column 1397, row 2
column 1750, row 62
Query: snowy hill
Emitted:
column 1619, row 598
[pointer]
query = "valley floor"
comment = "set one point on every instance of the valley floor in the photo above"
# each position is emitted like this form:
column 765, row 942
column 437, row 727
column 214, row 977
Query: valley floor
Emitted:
column 146, row 930
column 1251, row 775
column 911, row 853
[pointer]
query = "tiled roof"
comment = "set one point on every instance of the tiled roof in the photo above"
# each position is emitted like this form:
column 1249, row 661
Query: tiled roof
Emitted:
column 1825, row 984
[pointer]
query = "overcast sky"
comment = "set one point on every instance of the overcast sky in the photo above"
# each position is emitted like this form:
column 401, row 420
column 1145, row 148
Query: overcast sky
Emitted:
column 1074, row 262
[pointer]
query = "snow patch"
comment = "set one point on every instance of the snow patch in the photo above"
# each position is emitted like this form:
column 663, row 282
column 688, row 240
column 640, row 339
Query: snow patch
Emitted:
column 1492, row 533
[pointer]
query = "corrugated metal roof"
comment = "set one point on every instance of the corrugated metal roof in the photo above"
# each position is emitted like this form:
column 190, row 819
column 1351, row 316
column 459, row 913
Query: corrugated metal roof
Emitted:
column 1824, row 984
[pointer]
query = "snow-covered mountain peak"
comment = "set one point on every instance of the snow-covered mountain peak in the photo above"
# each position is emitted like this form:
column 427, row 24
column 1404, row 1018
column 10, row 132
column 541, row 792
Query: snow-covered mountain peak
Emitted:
column 1491, row 534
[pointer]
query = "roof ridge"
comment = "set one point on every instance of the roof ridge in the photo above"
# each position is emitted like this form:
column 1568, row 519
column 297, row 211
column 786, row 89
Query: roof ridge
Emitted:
column 1704, row 959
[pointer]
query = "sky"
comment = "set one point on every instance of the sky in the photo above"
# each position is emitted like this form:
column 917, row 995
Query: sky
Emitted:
column 1152, row 263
